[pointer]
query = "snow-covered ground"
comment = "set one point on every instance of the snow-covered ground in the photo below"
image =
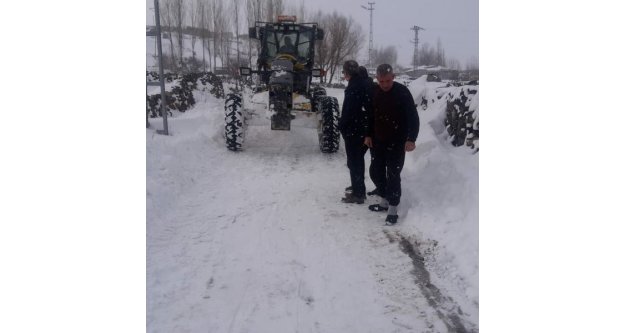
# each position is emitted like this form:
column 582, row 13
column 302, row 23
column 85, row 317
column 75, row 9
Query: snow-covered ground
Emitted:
column 258, row 241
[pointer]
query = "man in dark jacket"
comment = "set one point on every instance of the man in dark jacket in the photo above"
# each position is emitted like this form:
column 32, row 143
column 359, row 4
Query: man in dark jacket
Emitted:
column 392, row 132
column 362, row 71
column 353, row 125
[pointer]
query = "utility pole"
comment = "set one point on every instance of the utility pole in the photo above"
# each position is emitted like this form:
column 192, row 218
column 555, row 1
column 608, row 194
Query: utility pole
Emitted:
column 415, row 58
column 370, row 9
column 236, row 22
column 161, row 83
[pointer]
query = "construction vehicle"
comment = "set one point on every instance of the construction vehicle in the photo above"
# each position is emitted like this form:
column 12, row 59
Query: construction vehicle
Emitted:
column 285, row 68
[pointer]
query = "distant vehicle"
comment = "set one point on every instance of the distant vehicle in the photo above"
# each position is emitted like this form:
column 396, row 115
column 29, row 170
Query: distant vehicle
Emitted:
column 432, row 77
column 285, row 66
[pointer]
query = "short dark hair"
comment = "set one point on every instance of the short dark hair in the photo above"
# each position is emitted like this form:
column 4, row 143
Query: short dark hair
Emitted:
column 350, row 67
column 384, row 69
column 362, row 71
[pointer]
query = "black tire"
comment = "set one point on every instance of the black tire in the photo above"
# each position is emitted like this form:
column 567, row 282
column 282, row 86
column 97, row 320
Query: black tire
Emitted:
column 315, row 93
column 328, row 128
column 235, row 122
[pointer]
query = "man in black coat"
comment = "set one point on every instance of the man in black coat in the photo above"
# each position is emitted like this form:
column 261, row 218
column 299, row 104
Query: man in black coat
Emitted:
column 362, row 71
column 392, row 132
column 353, row 125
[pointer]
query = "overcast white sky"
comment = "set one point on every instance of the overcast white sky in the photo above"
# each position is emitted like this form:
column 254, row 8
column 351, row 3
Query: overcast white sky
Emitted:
column 455, row 22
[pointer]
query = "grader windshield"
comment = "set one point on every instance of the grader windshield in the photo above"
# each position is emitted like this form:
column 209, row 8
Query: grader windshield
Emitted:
column 289, row 39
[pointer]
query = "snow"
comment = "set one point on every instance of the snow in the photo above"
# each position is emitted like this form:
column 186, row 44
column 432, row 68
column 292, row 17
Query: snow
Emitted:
column 259, row 241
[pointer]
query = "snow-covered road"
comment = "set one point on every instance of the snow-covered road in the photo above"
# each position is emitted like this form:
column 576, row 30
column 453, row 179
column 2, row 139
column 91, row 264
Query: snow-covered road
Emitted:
column 258, row 241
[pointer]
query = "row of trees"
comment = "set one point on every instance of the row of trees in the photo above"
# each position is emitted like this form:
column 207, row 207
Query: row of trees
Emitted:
column 206, row 20
column 384, row 55
column 428, row 55
column 221, row 27
column 435, row 56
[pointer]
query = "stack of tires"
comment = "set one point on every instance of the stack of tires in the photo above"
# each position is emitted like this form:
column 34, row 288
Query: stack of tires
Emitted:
column 462, row 123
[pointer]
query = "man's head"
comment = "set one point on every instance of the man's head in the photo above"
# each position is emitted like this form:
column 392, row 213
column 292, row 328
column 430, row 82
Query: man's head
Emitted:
column 362, row 71
column 287, row 41
column 385, row 77
column 350, row 69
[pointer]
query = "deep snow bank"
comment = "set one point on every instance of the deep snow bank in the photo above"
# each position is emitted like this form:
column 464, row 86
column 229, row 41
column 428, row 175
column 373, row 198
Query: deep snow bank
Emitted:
column 461, row 104
column 180, row 90
column 440, row 192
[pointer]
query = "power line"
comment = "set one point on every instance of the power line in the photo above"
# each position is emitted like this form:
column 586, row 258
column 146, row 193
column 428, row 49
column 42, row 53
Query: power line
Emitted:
column 370, row 9
column 415, row 58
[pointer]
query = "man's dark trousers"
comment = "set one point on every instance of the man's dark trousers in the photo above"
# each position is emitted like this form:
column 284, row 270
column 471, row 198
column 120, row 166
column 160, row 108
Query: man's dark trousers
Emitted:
column 387, row 161
column 355, row 151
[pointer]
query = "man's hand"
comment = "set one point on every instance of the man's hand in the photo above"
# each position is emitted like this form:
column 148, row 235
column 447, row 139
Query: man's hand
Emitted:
column 410, row 146
column 368, row 142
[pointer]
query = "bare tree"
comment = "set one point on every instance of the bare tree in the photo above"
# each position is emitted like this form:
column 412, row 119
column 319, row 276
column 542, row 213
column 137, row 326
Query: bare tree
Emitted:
column 432, row 57
column 269, row 11
column 194, row 17
column 473, row 64
column 321, row 46
column 166, row 12
column 301, row 12
column 255, row 10
column 453, row 63
column 297, row 9
column 217, row 21
column 250, row 19
column 440, row 53
column 345, row 39
column 224, row 38
column 178, row 14
column 273, row 9
column 427, row 55
column 236, row 5
column 204, row 22
column 384, row 55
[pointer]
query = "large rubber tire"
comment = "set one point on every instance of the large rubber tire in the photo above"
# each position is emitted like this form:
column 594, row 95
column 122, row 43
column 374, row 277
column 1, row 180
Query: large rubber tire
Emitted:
column 315, row 93
column 328, row 128
column 235, row 122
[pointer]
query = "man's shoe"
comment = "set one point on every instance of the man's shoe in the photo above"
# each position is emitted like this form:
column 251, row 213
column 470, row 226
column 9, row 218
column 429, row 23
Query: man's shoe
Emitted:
column 351, row 198
column 391, row 219
column 348, row 189
column 377, row 208
column 374, row 192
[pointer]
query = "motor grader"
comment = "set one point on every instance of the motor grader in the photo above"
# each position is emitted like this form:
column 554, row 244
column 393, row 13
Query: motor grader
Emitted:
column 284, row 69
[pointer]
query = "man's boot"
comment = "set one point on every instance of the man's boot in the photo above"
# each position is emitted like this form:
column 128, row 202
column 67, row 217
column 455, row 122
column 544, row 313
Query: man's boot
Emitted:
column 391, row 219
column 374, row 192
column 351, row 198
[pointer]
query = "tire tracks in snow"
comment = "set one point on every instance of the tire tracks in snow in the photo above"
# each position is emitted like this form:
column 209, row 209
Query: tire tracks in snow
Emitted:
column 246, row 255
column 445, row 307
